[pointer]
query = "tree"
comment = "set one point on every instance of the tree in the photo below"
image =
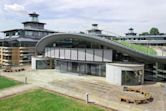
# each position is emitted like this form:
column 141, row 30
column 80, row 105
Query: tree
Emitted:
column 154, row 31
column 145, row 33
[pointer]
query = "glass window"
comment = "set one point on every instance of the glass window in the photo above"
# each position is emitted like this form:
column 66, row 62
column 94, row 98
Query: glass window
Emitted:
column 7, row 34
column 131, row 77
column 28, row 33
column 42, row 64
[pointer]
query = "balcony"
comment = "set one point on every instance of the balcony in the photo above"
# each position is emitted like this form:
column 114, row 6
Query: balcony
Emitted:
column 161, row 70
column 7, row 51
column 28, row 50
column 5, row 54
column 22, row 48
column 6, row 64
column 7, row 48
column 6, row 60
column 29, row 54
column 24, row 61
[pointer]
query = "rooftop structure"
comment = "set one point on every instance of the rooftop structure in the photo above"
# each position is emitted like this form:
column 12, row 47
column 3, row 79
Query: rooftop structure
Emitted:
column 34, row 23
column 34, row 16
column 98, row 32
column 131, row 32
column 154, row 40
column 32, row 29
column 94, row 30
column 18, row 45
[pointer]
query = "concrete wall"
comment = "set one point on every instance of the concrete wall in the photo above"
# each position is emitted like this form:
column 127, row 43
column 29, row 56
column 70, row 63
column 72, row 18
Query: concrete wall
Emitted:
column 34, row 59
column 99, row 55
column 113, row 75
column 114, row 71
column 33, row 62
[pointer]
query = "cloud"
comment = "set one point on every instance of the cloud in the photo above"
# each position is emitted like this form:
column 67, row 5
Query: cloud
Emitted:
column 15, row 8
column 110, row 10
column 112, row 15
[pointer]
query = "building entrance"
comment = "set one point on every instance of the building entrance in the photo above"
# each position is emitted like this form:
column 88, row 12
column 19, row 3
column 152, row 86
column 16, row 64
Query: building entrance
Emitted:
column 81, row 68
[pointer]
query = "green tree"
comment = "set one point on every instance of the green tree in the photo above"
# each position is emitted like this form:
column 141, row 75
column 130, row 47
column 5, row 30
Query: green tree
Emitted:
column 145, row 33
column 154, row 31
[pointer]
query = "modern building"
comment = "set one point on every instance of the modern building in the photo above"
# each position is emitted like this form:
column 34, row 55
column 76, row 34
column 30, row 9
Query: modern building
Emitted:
column 150, row 40
column 18, row 45
column 94, row 55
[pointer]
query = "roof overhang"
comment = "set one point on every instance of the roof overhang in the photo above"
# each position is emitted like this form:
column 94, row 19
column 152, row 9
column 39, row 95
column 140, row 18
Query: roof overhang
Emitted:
column 102, row 41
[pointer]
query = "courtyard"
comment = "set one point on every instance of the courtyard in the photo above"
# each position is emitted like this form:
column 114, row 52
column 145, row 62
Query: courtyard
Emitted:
column 100, row 91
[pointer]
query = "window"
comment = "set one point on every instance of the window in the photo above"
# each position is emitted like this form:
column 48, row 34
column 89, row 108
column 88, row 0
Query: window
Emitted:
column 28, row 33
column 132, row 77
column 7, row 34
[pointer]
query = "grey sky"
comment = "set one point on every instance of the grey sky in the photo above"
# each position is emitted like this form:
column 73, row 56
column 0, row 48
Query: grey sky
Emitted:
column 78, row 15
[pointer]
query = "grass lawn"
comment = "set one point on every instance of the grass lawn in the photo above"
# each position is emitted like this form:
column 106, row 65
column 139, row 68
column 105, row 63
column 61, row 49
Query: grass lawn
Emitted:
column 139, row 48
column 5, row 82
column 42, row 100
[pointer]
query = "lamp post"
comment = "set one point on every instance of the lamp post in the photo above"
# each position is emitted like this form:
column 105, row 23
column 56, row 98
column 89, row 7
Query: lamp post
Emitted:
column 26, row 80
column 147, row 50
column 87, row 98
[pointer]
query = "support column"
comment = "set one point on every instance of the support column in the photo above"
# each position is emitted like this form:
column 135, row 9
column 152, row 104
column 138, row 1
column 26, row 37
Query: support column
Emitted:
column 156, row 69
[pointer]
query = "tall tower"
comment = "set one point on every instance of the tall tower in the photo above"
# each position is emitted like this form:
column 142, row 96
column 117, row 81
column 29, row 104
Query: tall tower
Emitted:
column 131, row 32
column 94, row 26
column 34, row 23
column 34, row 17
column 95, row 30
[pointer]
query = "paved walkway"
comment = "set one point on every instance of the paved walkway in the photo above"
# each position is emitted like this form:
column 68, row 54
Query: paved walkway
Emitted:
column 15, row 90
column 100, row 91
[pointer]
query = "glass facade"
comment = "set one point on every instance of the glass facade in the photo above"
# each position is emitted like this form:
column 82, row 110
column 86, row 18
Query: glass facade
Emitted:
column 85, row 57
column 81, row 68
column 43, row 64
column 131, row 77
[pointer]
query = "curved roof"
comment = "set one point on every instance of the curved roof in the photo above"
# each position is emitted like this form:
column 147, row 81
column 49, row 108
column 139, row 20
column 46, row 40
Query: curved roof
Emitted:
column 105, row 42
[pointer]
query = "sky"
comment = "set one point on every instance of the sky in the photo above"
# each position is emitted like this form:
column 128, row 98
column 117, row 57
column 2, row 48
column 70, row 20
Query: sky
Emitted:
column 113, row 16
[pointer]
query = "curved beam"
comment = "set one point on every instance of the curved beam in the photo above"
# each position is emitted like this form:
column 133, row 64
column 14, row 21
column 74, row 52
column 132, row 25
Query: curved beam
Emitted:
column 102, row 41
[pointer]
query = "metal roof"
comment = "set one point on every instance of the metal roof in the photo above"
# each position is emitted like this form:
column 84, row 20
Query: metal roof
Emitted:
column 42, row 30
column 18, row 39
column 105, row 42
column 33, row 22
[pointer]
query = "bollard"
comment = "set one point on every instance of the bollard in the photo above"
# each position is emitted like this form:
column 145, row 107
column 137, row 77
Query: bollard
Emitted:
column 26, row 80
column 87, row 98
